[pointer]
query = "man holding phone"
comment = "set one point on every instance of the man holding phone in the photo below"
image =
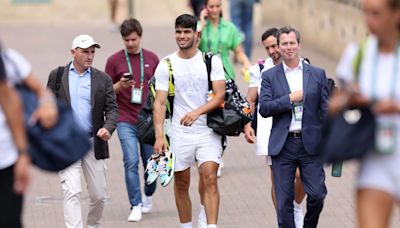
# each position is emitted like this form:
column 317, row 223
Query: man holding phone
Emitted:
column 128, row 76
column 131, row 69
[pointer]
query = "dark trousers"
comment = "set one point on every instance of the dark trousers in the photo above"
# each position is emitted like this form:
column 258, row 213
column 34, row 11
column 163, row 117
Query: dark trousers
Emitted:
column 312, row 174
column 10, row 203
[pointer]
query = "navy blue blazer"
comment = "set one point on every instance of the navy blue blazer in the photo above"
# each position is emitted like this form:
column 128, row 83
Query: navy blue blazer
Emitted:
column 274, row 101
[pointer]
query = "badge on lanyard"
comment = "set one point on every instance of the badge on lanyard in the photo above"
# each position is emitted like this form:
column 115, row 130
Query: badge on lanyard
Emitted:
column 386, row 132
column 136, row 95
column 298, row 111
column 385, row 138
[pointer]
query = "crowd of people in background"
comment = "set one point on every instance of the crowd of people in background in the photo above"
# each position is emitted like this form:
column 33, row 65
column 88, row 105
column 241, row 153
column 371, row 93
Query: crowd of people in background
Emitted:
column 288, row 95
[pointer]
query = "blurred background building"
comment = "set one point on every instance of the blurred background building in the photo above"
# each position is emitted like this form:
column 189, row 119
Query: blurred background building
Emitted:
column 327, row 25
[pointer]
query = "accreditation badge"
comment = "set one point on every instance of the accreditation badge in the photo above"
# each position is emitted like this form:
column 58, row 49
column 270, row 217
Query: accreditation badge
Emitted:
column 385, row 138
column 298, row 111
column 136, row 95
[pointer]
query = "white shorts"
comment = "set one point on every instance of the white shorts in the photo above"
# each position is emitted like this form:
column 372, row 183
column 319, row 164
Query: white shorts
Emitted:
column 191, row 147
column 381, row 172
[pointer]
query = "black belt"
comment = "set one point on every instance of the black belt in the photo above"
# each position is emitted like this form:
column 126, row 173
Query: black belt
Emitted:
column 296, row 134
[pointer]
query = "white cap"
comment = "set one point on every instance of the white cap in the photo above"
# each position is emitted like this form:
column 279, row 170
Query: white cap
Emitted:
column 84, row 41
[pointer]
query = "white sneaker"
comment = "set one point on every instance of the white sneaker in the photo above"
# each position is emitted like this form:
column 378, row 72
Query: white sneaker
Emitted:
column 298, row 217
column 147, row 204
column 219, row 171
column 136, row 214
column 202, row 221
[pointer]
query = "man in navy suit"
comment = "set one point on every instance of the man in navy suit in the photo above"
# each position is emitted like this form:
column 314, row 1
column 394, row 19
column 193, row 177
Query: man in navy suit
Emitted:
column 295, row 94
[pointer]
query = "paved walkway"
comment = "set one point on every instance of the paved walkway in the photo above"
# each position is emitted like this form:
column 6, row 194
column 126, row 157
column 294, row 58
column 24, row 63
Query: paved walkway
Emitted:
column 244, row 186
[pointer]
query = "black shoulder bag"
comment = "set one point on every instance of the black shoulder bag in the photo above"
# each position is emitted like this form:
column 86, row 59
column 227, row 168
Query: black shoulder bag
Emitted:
column 349, row 134
column 235, row 113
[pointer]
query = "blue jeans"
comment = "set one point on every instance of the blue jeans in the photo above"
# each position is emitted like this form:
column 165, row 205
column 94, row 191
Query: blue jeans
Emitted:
column 242, row 16
column 127, row 134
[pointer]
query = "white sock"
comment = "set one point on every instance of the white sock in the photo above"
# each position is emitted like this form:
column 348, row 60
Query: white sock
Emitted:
column 202, row 213
column 186, row 225
column 212, row 226
column 296, row 205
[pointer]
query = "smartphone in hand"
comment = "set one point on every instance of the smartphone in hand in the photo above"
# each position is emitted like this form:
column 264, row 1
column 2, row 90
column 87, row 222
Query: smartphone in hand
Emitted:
column 128, row 76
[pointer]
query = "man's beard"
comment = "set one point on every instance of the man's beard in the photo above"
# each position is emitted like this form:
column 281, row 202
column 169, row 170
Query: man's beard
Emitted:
column 188, row 46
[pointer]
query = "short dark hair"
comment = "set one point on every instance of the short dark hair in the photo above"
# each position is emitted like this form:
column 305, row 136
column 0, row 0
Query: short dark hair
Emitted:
column 270, row 32
column 129, row 26
column 186, row 21
column 394, row 4
column 287, row 30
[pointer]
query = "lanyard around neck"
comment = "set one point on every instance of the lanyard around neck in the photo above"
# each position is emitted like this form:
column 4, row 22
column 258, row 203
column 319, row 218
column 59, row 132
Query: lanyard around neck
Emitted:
column 394, row 72
column 209, row 27
column 128, row 62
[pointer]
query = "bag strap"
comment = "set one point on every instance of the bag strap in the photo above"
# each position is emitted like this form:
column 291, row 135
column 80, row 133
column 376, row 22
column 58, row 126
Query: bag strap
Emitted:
column 60, row 71
column 207, row 57
column 358, row 59
column 3, row 75
column 306, row 60
column 261, row 63
column 171, row 85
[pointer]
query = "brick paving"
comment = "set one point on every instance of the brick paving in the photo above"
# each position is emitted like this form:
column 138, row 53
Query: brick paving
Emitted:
column 244, row 186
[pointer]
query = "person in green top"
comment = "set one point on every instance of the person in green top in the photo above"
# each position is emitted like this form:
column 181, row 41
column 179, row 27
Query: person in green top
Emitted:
column 221, row 37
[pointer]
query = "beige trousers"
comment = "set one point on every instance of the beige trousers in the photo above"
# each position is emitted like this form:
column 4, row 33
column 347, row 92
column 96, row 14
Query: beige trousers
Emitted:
column 95, row 176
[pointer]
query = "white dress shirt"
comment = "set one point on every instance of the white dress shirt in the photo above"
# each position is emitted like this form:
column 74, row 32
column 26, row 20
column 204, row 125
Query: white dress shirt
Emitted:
column 294, row 78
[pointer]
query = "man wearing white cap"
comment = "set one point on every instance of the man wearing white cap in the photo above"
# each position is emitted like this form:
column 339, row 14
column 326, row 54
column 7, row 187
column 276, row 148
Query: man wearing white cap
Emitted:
column 90, row 94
